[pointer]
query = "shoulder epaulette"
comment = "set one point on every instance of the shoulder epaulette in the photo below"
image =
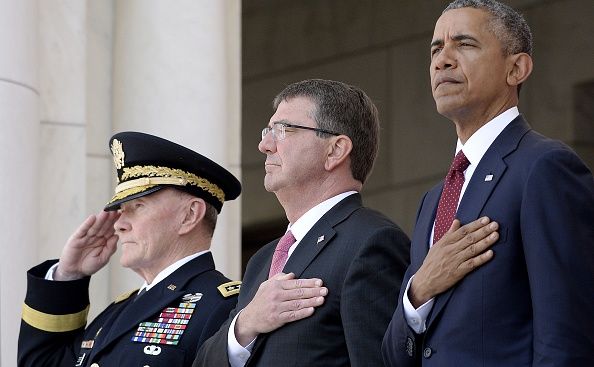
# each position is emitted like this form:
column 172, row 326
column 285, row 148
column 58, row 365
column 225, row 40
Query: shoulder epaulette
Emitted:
column 124, row 296
column 230, row 288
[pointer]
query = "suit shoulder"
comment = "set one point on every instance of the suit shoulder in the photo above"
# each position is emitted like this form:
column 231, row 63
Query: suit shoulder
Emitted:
column 373, row 219
column 536, row 144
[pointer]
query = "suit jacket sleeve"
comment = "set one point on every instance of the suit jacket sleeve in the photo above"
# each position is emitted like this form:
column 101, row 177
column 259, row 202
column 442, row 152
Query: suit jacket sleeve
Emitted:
column 399, row 346
column 370, row 283
column 400, row 341
column 557, row 222
column 54, row 319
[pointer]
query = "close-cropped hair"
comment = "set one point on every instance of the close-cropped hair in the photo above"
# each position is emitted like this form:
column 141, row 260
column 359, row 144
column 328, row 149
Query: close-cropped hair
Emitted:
column 509, row 26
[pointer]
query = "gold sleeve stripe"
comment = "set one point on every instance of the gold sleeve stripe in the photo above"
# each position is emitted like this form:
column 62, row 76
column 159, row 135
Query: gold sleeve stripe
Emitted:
column 230, row 288
column 54, row 323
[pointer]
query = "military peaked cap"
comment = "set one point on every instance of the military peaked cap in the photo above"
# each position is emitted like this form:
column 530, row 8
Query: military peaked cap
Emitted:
column 147, row 163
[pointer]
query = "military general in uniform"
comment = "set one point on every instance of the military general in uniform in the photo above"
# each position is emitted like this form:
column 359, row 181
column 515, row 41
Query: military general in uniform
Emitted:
column 163, row 214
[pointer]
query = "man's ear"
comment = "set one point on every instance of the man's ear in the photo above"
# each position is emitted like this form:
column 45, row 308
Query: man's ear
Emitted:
column 194, row 211
column 520, row 68
column 339, row 150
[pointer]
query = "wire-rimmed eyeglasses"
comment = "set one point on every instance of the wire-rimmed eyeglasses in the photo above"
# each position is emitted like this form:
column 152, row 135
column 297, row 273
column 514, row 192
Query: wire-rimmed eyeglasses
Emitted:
column 278, row 130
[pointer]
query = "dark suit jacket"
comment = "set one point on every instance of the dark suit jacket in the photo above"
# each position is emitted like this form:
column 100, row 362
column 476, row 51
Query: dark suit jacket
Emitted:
column 108, row 340
column 361, row 257
column 533, row 303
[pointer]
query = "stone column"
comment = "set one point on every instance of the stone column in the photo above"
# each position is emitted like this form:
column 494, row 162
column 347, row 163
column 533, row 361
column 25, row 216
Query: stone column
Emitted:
column 177, row 75
column 19, row 96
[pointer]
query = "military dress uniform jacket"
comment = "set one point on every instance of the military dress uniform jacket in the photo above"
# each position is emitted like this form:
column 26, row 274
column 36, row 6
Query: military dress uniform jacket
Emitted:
column 162, row 327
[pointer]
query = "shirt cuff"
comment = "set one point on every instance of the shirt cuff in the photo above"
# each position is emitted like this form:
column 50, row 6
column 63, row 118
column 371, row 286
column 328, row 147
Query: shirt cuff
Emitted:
column 50, row 272
column 416, row 318
column 238, row 355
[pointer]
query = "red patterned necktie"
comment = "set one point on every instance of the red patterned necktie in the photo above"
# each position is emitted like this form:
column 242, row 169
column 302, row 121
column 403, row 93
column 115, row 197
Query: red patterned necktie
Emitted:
column 448, row 202
column 281, row 252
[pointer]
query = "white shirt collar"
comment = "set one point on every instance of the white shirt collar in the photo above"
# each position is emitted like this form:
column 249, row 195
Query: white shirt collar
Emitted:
column 311, row 217
column 170, row 269
column 476, row 146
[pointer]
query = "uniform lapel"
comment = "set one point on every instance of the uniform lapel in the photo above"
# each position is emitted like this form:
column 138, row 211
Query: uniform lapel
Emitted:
column 484, row 180
column 153, row 301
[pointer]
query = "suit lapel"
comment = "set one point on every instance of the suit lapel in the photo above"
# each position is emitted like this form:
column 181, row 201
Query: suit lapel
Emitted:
column 314, row 242
column 248, row 291
column 424, row 225
column 485, row 178
column 154, row 300
column 320, row 235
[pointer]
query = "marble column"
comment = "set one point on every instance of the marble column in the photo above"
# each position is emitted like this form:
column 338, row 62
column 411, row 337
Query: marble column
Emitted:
column 19, row 139
column 98, row 162
column 177, row 75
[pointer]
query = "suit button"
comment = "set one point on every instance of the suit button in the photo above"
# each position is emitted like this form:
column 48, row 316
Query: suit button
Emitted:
column 95, row 365
column 427, row 352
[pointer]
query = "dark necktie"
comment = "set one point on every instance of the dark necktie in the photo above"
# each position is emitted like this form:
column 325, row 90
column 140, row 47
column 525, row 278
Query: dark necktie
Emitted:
column 448, row 202
column 281, row 252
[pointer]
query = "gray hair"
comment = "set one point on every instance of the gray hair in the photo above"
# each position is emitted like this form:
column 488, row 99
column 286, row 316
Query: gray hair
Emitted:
column 510, row 28
column 344, row 109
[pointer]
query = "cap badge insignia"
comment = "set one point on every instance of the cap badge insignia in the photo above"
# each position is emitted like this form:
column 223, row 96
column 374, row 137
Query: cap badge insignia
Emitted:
column 118, row 153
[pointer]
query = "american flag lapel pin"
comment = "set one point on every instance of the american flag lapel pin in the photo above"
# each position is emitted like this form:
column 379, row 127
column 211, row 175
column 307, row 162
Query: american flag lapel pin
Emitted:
column 489, row 177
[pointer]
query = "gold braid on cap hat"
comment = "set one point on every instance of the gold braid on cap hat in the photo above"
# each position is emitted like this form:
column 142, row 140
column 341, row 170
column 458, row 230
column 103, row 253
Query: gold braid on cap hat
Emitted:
column 166, row 175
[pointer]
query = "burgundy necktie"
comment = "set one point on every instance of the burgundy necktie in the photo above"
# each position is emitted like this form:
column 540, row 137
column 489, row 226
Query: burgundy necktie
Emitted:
column 448, row 202
column 281, row 252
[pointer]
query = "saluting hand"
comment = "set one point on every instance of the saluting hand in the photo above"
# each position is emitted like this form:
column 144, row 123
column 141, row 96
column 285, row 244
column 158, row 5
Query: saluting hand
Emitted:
column 89, row 248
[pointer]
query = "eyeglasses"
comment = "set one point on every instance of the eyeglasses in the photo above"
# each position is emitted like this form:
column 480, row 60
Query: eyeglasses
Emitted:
column 279, row 130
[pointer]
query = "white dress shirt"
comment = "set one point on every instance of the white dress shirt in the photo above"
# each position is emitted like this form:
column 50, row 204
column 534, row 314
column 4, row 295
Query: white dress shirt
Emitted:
column 474, row 149
column 238, row 355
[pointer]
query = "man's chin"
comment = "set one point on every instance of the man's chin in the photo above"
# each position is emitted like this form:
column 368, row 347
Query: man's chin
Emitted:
column 125, row 262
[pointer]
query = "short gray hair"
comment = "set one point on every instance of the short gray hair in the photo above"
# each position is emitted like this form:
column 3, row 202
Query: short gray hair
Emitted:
column 344, row 109
column 507, row 24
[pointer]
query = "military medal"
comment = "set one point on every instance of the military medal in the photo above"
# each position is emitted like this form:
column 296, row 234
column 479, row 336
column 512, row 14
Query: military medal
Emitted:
column 169, row 326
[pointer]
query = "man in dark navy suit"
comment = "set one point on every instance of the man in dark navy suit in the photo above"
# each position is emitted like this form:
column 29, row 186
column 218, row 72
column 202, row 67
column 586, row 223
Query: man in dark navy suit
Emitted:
column 527, row 300
column 163, row 213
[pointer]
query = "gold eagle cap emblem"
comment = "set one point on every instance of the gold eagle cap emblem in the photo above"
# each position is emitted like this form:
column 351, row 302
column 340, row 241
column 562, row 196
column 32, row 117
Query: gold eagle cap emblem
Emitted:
column 118, row 153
